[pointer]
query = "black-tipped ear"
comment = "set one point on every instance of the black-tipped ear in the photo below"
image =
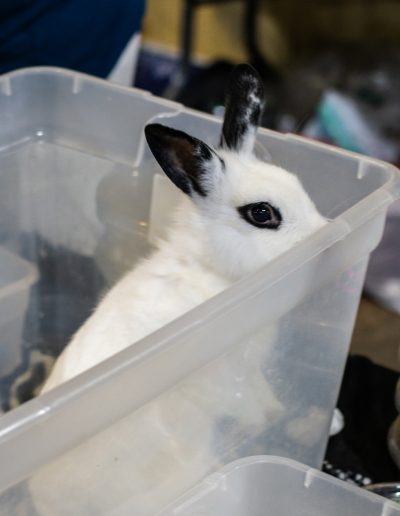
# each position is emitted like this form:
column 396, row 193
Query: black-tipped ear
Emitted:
column 243, row 108
column 187, row 161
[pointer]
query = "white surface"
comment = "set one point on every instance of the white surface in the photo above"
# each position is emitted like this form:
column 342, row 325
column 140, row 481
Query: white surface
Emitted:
column 125, row 68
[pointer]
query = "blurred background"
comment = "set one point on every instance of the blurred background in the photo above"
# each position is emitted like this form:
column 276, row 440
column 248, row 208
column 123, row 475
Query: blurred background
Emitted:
column 331, row 71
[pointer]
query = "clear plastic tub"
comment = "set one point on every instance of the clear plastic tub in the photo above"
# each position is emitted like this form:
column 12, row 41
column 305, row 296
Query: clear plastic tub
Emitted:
column 254, row 370
column 273, row 486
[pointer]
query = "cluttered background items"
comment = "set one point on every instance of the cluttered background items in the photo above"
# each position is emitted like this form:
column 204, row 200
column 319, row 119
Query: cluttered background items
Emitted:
column 320, row 80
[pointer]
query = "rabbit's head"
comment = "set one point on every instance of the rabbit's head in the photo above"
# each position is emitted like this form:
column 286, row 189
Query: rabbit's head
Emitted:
column 251, row 211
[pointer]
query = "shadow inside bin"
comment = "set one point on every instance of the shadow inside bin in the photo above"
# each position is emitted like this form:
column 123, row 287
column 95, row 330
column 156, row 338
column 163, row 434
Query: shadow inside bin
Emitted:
column 18, row 501
column 68, row 288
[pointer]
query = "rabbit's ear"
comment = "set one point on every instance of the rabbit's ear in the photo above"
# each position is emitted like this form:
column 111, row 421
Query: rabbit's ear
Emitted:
column 187, row 161
column 243, row 109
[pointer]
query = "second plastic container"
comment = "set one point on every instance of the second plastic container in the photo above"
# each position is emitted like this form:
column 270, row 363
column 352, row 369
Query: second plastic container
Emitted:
column 272, row 486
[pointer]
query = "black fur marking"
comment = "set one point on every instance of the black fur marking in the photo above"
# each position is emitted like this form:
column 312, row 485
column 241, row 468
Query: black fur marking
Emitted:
column 243, row 107
column 261, row 215
column 182, row 157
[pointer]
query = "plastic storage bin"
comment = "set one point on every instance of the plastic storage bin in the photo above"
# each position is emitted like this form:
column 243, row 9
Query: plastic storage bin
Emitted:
column 254, row 370
column 273, row 486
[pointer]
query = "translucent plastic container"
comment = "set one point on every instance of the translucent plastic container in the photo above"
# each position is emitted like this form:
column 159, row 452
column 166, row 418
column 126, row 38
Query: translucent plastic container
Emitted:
column 254, row 370
column 273, row 486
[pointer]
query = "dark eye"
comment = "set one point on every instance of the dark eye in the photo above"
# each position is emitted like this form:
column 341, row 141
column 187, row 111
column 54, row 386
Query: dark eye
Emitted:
column 261, row 215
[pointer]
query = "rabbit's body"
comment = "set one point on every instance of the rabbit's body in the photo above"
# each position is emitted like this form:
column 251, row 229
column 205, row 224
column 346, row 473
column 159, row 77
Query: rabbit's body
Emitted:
column 239, row 214
column 174, row 279
column 194, row 263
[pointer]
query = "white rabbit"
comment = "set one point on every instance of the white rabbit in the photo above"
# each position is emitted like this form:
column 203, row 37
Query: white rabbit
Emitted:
column 239, row 214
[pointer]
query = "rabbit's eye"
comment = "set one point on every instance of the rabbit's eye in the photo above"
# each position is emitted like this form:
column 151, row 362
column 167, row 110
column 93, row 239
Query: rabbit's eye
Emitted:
column 261, row 215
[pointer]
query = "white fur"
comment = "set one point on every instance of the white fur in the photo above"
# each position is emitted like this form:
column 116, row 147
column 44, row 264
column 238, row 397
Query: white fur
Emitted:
column 140, row 463
column 208, row 248
column 169, row 444
column 176, row 439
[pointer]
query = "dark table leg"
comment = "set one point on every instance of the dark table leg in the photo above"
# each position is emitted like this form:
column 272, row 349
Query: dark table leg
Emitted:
column 181, row 76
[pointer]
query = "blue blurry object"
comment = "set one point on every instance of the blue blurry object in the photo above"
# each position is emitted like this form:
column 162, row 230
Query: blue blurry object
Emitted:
column 342, row 119
column 85, row 36
column 337, row 118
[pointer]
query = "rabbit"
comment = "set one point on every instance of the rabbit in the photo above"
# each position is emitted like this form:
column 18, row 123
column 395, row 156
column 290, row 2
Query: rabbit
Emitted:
column 238, row 214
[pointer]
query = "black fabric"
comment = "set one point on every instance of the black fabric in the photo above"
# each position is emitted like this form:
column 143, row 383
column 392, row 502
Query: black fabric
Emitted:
column 367, row 402
column 69, row 286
